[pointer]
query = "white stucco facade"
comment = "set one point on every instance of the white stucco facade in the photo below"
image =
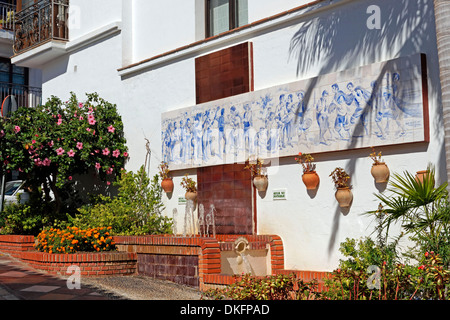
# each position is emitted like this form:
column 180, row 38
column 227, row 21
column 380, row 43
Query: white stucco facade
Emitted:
column 127, row 65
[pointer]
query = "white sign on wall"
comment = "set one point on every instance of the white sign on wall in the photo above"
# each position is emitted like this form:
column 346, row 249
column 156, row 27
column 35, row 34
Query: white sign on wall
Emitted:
column 381, row 104
column 280, row 194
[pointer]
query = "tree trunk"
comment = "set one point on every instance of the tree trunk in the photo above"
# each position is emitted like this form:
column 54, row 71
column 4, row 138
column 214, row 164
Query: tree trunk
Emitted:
column 52, row 182
column 442, row 14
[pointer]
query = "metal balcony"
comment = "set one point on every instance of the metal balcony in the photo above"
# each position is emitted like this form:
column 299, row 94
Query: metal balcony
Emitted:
column 39, row 23
column 24, row 96
column 7, row 15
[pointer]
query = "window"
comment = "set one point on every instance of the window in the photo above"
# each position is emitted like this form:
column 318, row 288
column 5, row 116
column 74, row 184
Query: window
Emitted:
column 14, row 82
column 224, row 15
column 12, row 74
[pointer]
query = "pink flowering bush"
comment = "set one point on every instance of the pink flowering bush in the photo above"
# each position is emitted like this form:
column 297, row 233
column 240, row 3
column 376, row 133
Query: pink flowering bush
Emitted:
column 50, row 144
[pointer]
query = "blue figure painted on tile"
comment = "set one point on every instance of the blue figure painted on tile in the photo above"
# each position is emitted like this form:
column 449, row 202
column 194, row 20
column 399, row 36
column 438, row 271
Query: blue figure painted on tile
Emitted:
column 282, row 121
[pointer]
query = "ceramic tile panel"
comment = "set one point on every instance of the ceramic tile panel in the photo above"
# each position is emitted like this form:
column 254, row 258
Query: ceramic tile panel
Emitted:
column 376, row 105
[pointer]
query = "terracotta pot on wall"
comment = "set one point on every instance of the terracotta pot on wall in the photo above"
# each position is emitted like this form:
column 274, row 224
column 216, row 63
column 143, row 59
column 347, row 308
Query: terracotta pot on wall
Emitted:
column 421, row 174
column 167, row 185
column 380, row 172
column 344, row 196
column 191, row 196
column 261, row 183
column 311, row 180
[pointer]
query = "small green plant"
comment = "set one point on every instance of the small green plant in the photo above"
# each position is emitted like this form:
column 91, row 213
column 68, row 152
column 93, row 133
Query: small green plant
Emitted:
column 137, row 209
column 164, row 171
column 255, row 165
column 371, row 272
column 188, row 184
column 28, row 218
column 279, row 287
column 306, row 160
column 435, row 275
column 340, row 178
column 421, row 209
column 376, row 158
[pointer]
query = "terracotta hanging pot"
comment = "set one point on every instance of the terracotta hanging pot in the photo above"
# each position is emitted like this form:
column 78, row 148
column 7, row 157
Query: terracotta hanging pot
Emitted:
column 167, row 185
column 311, row 180
column 344, row 196
column 380, row 172
column 261, row 183
column 191, row 196
column 420, row 175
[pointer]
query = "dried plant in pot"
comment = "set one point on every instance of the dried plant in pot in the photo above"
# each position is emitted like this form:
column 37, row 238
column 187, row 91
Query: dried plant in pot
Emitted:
column 260, row 180
column 167, row 182
column 310, row 177
column 344, row 194
column 380, row 171
column 191, row 188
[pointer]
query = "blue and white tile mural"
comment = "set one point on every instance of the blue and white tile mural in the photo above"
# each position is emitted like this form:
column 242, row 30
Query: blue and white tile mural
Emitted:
column 379, row 104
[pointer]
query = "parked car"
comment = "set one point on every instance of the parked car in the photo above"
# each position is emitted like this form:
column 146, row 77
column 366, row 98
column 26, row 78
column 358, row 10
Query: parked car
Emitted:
column 13, row 189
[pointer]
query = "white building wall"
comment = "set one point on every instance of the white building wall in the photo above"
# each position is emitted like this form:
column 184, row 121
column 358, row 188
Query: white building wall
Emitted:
column 161, row 26
column 261, row 9
column 87, row 16
column 332, row 39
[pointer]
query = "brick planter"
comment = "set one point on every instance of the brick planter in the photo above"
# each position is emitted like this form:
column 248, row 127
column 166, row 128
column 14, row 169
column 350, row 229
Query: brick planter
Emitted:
column 90, row 264
column 192, row 261
column 16, row 245
column 178, row 259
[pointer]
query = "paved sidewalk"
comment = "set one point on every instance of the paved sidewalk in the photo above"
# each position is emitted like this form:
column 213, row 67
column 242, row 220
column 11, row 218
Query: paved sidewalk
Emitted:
column 19, row 282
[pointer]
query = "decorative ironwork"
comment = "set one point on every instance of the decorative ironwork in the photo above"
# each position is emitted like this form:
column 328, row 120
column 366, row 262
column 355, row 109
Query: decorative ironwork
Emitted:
column 6, row 16
column 40, row 22
column 25, row 96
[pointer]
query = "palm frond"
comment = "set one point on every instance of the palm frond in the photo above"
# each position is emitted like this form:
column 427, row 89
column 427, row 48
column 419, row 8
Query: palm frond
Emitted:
column 416, row 204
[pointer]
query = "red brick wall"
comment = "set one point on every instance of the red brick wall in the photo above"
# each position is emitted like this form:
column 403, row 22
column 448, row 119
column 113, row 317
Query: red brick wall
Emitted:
column 229, row 189
column 175, row 268
column 169, row 257
column 90, row 264
column 220, row 75
column 179, row 259
column 15, row 245
column 224, row 73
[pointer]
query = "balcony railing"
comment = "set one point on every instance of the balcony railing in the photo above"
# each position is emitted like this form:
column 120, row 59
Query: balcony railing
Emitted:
column 42, row 21
column 25, row 96
column 7, row 15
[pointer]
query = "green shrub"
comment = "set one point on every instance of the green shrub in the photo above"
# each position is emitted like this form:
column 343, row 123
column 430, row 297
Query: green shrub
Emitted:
column 136, row 210
column 421, row 209
column 370, row 271
column 28, row 218
column 279, row 287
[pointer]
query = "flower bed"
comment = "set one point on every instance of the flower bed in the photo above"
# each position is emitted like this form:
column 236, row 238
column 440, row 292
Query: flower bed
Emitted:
column 73, row 239
column 90, row 263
